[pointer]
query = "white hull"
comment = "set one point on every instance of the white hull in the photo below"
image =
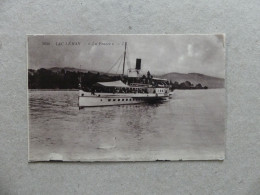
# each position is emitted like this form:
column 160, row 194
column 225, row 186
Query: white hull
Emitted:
column 86, row 99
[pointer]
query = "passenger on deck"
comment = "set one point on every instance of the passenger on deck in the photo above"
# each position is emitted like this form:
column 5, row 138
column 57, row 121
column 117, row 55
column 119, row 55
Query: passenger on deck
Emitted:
column 93, row 91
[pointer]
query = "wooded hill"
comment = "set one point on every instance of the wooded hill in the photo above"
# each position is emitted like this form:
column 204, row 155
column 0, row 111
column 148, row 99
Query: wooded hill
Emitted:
column 68, row 78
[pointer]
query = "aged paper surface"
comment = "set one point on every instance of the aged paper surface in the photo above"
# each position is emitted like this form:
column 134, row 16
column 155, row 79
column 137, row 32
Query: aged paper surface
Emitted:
column 126, row 97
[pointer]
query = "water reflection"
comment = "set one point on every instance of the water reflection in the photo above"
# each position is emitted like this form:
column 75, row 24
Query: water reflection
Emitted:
column 57, row 125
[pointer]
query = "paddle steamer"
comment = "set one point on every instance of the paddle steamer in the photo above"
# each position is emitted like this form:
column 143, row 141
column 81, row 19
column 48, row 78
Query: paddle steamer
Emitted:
column 135, row 89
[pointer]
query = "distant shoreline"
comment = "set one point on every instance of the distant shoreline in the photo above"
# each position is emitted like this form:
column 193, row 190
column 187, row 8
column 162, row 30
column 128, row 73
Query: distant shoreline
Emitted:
column 78, row 89
column 53, row 89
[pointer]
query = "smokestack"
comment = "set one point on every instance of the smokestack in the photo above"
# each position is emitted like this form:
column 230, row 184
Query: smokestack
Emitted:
column 138, row 64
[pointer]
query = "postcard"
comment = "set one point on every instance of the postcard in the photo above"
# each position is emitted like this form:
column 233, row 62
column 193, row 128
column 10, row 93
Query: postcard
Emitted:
column 126, row 97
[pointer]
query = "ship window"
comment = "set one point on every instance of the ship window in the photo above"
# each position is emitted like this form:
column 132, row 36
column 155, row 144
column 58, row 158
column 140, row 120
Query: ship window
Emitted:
column 101, row 100
column 126, row 100
column 118, row 99
column 114, row 99
column 123, row 99
column 130, row 99
column 109, row 100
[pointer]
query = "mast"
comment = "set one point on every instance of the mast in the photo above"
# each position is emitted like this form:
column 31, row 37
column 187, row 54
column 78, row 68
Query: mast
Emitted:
column 124, row 60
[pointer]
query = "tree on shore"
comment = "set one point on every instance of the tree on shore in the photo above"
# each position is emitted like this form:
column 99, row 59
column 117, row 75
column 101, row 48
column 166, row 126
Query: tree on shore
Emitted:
column 64, row 79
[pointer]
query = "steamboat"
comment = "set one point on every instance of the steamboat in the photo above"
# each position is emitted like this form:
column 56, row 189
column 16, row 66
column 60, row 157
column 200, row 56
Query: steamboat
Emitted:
column 135, row 88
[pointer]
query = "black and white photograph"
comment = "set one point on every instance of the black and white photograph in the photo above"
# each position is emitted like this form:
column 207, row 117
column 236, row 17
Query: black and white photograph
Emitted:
column 126, row 97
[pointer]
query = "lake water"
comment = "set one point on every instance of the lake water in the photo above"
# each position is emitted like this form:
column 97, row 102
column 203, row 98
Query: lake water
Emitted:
column 190, row 126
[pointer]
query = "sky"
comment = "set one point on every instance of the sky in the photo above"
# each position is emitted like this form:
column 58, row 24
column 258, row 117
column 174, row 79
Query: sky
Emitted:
column 160, row 54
